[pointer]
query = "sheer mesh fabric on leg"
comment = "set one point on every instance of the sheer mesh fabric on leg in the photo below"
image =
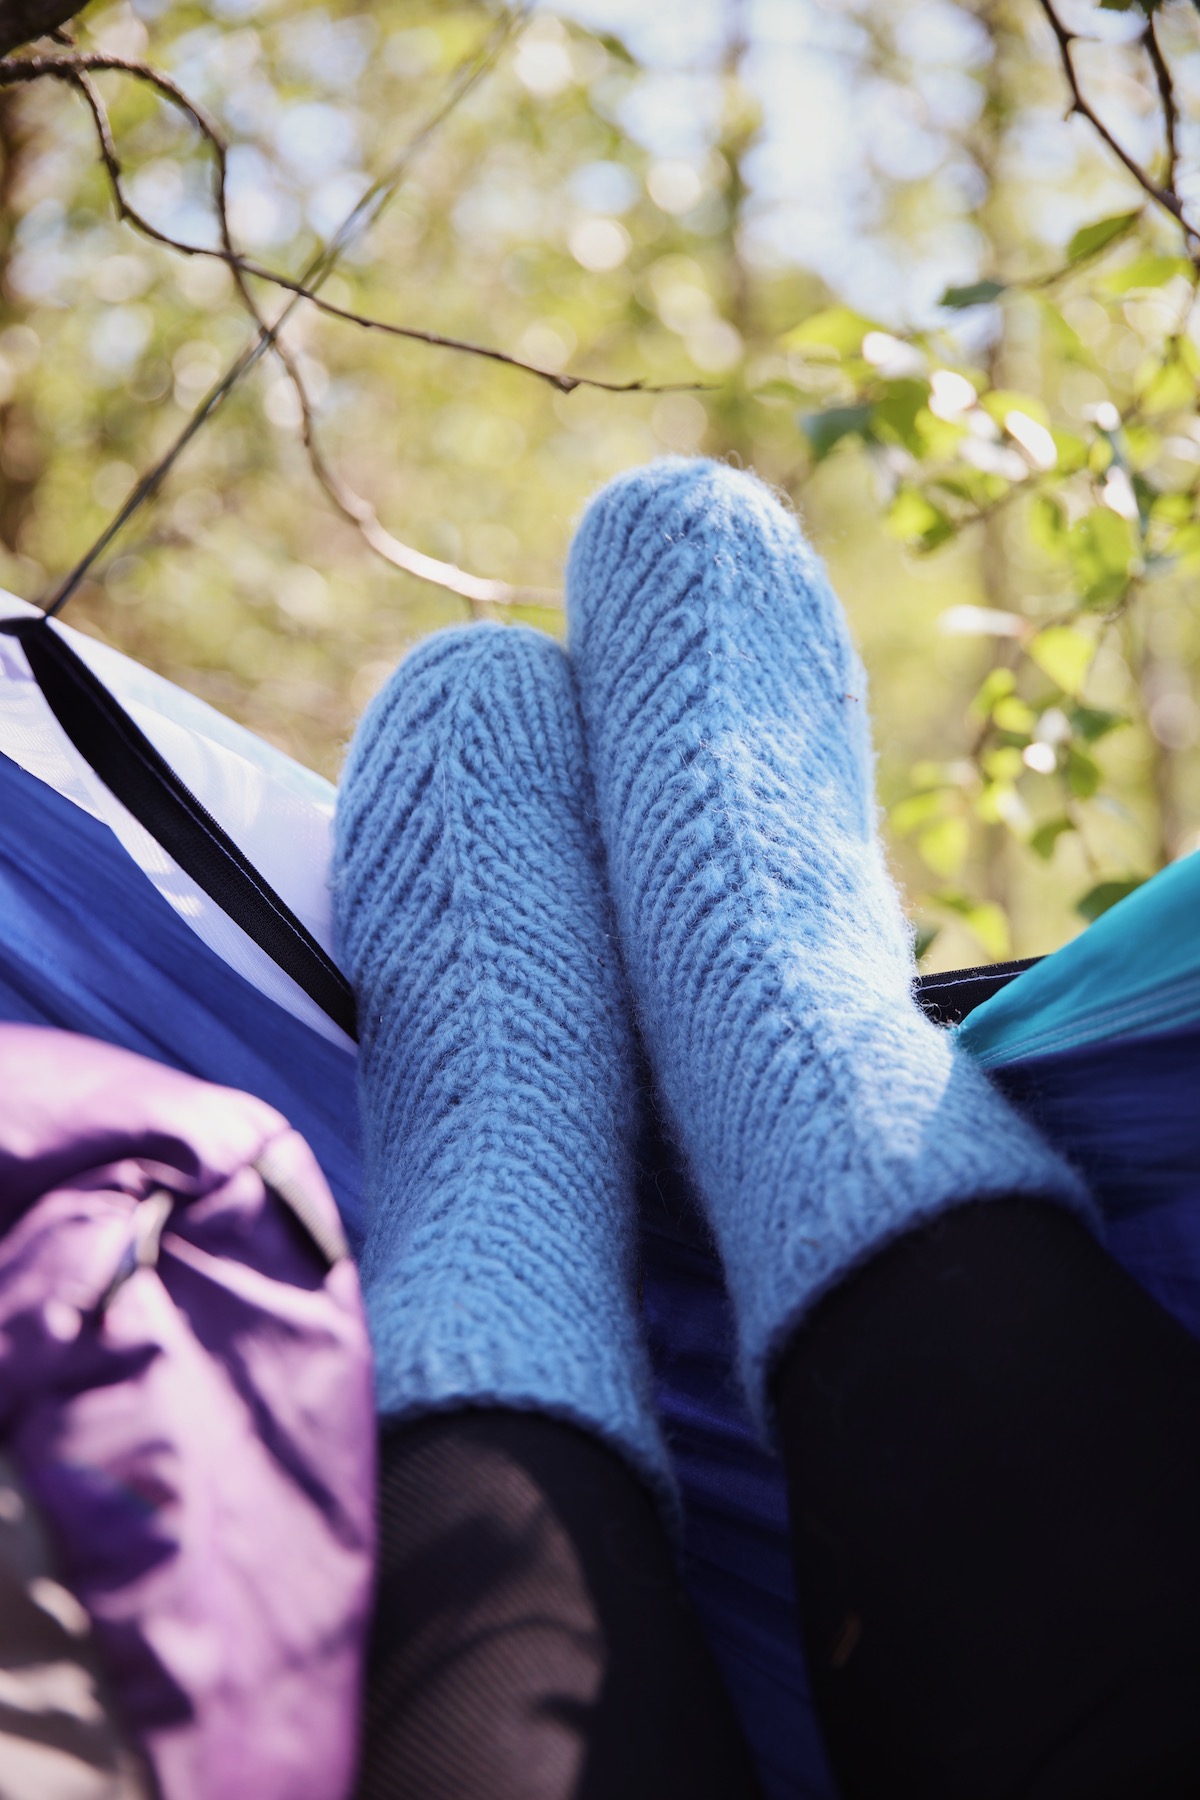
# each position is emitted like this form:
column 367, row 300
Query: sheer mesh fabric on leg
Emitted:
column 532, row 1639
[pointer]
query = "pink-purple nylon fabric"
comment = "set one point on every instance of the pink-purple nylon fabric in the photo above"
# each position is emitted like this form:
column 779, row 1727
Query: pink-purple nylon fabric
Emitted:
column 202, row 1447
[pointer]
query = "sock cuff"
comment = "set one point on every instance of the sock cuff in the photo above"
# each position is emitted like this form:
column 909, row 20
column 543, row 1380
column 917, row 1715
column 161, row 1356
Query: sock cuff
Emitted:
column 936, row 1136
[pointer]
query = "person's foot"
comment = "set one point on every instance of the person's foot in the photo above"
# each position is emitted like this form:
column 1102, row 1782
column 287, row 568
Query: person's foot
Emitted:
column 725, row 714
column 496, row 1063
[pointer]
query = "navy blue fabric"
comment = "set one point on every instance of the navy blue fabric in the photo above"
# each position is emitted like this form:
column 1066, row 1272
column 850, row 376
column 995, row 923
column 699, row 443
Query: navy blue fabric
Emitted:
column 87, row 944
column 737, row 1553
column 1128, row 1114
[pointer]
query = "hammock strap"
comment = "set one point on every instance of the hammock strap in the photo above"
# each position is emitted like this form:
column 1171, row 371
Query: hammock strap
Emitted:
column 145, row 784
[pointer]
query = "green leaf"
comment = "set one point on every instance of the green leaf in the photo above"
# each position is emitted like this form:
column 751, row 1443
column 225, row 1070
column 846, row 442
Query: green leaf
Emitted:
column 995, row 800
column 1063, row 339
column 1143, row 446
column 1048, row 522
column 1002, row 401
column 1043, row 840
column 1145, row 272
column 836, row 328
column 984, row 918
column 944, row 846
column 925, row 938
column 996, row 685
column 1101, row 454
column 826, row 429
column 1185, row 545
column 1012, row 714
column 1168, row 388
column 897, row 411
column 779, row 388
column 1064, row 654
column 913, row 517
column 916, row 810
column 1091, row 723
column 1090, row 239
column 1083, row 773
column 972, row 485
column 1003, row 763
column 976, row 293
column 1174, row 508
column 1103, row 546
column 1072, row 450
column 938, row 439
column 1106, row 894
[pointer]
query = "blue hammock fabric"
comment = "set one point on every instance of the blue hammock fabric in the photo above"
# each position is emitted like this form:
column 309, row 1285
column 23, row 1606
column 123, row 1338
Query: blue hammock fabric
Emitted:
column 87, row 944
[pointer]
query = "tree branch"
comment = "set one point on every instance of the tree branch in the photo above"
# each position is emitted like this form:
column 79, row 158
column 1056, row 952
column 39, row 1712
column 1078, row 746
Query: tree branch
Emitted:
column 126, row 211
column 1166, row 93
column 1167, row 198
column 22, row 70
column 478, row 590
column 21, row 21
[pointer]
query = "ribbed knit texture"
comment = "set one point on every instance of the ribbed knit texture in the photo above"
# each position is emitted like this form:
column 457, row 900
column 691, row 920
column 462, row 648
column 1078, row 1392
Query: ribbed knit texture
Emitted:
column 496, row 1073
column 725, row 713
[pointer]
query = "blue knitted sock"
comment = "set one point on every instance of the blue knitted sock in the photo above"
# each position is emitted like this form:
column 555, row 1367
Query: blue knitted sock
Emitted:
column 771, row 966
column 496, row 1076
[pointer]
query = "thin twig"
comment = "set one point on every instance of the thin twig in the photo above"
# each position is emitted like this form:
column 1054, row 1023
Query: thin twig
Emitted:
column 77, row 70
column 479, row 591
column 244, row 265
column 566, row 384
column 126, row 210
column 1166, row 93
column 1065, row 38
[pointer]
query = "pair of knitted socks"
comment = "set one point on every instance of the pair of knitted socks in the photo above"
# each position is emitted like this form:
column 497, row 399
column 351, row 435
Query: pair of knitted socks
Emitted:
column 704, row 758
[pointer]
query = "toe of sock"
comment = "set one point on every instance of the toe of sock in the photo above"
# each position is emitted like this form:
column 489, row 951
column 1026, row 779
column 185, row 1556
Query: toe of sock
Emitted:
column 692, row 511
column 498, row 695
column 481, row 666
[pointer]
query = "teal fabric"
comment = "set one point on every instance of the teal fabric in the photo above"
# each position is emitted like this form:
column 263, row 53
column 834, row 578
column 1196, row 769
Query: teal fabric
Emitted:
column 1134, row 973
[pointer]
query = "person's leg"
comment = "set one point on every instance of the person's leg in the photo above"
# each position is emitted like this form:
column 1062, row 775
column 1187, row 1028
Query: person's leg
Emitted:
column 499, row 1105
column 993, row 1454
column 532, row 1638
column 824, row 1120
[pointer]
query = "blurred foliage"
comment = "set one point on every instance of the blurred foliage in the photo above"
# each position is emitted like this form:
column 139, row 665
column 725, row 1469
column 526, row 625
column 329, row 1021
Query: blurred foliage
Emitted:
column 1004, row 480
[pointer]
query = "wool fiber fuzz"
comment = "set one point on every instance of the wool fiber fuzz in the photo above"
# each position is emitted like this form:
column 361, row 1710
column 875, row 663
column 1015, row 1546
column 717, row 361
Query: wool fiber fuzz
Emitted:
column 497, row 1083
column 725, row 713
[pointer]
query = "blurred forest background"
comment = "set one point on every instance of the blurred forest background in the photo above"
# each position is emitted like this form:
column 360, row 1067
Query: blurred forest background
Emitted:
column 866, row 246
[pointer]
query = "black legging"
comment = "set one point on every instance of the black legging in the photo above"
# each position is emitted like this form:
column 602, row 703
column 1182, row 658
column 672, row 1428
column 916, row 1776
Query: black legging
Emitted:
column 992, row 1442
